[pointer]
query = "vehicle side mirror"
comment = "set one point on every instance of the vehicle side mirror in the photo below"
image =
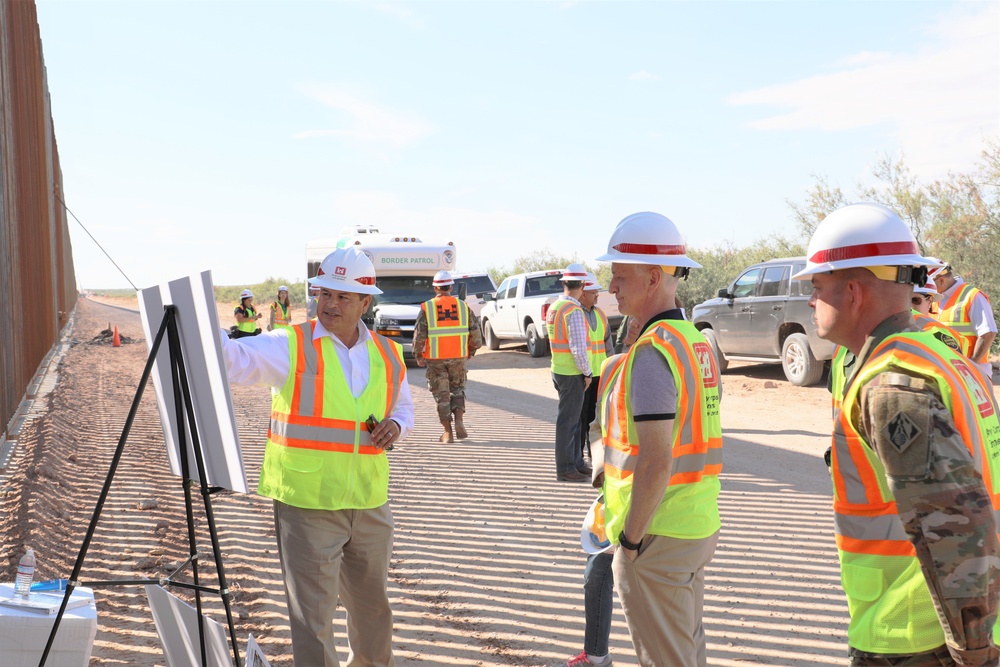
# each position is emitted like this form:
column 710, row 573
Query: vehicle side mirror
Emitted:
column 489, row 296
column 463, row 291
column 725, row 294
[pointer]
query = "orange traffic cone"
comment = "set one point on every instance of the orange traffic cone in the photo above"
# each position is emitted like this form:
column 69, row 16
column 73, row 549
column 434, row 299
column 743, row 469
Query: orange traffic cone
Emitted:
column 115, row 340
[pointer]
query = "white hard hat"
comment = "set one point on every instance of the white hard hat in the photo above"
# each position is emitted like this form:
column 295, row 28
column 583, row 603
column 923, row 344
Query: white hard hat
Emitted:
column 928, row 288
column 574, row 271
column 347, row 270
column 443, row 279
column 245, row 293
column 861, row 235
column 283, row 288
column 648, row 238
column 940, row 267
column 590, row 284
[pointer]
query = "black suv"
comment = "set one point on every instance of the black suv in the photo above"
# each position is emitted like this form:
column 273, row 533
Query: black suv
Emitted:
column 764, row 316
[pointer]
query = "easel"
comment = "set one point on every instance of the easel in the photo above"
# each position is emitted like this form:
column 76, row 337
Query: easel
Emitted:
column 185, row 415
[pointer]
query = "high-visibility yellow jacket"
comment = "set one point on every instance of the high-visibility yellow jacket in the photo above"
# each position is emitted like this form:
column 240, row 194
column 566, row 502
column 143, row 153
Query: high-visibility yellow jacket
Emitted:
column 319, row 454
column 597, row 352
column 282, row 315
column 557, row 322
column 689, row 509
column 250, row 325
column 447, row 328
column 887, row 595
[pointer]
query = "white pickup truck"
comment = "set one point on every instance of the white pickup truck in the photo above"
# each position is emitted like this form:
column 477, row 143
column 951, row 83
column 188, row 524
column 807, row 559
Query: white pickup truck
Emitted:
column 517, row 310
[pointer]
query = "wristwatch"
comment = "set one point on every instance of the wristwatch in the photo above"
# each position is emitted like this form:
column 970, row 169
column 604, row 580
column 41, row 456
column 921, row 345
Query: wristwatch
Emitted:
column 622, row 540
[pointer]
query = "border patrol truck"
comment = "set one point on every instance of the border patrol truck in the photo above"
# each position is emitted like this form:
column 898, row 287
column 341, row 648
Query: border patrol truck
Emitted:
column 404, row 271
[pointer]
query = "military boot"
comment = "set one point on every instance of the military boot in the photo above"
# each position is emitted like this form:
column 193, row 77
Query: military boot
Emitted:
column 446, row 436
column 460, row 431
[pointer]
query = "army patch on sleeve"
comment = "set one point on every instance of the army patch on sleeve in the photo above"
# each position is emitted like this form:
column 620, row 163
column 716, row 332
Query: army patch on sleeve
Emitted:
column 901, row 432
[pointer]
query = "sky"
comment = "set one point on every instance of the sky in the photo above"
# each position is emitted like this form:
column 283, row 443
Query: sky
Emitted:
column 224, row 135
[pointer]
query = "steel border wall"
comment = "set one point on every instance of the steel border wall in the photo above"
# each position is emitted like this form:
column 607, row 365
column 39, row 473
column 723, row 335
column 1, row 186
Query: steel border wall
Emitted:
column 37, row 279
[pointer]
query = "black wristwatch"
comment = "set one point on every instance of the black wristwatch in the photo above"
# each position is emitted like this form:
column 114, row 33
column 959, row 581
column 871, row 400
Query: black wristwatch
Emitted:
column 622, row 540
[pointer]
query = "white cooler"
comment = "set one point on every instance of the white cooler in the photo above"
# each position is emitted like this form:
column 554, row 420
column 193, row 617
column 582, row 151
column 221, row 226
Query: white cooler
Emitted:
column 23, row 634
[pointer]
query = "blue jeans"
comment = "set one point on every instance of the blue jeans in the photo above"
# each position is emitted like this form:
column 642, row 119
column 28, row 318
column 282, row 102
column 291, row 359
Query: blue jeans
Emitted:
column 598, row 601
column 569, row 457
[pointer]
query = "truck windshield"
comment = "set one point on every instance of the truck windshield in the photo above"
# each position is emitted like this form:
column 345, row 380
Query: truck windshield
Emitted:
column 405, row 289
column 543, row 285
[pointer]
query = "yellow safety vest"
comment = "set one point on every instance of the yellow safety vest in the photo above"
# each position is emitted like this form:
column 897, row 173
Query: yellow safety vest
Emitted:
column 941, row 331
column 689, row 509
column 838, row 377
column 251, row 325
column 557, row 322
column 597, row 352
column 955, row 312
column 282, row 316
column 447, row 328
column 319, row 454
column 887, row 596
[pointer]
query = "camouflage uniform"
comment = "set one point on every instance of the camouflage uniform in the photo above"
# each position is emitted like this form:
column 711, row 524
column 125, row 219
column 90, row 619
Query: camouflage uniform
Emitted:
column 446, row 377
column 944, row 506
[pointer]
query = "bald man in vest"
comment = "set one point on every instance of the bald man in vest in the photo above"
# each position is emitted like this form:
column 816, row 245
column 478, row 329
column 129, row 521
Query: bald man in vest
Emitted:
column 340, row 400
column 915, row 430
column 445, row 335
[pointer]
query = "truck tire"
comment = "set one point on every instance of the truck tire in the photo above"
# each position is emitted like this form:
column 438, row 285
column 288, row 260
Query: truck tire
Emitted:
column 801, row 368
column 492, row 341
column 537, row 346
column 720, row 360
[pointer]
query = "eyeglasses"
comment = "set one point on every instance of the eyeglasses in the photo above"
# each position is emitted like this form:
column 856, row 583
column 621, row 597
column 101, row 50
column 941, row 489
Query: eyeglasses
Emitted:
column 370, row 425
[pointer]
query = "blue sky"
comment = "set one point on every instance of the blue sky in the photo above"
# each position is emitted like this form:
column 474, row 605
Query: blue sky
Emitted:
column 224, row 135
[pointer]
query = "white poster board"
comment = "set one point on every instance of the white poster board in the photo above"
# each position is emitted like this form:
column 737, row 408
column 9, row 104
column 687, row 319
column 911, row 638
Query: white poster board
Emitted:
column 254, row 655
column 177, row 625
column 198, row 326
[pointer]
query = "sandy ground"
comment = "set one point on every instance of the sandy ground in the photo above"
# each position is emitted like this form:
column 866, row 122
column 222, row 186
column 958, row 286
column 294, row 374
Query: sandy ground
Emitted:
column 487, row 567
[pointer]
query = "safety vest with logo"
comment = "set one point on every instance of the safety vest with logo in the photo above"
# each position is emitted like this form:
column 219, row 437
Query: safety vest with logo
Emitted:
column 557, row 322
column 282, row 316
column 689, row 509
column 955, row 312
column 250, row 325
column 941, row 331
column 319, row 454
column 447, row 328
column 597, row 352
column 888, row 599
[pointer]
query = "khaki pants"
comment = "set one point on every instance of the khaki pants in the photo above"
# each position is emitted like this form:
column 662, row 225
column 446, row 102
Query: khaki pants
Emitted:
column 331, row 554
column 662, row 594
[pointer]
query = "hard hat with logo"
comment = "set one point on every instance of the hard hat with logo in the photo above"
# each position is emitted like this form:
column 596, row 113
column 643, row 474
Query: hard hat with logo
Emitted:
column 246, row 294
column 590, row 284
column 648, row 238
column 593, row 534
column 869, row 236
column 283, row 288
column 575, row 272
column 443, row 279
column 346, row 270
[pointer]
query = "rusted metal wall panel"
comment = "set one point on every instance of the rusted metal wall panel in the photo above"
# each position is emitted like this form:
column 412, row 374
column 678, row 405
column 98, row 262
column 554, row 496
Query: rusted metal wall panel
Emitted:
column 37, row 280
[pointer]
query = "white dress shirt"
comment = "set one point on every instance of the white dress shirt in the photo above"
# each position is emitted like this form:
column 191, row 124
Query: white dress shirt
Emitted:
column 576, row 325
column 263, row 360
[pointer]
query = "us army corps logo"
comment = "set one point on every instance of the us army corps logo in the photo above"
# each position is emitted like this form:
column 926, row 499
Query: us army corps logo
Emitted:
column 706, row 360
column 447, row 314
column 901, row 431
column 983, row 402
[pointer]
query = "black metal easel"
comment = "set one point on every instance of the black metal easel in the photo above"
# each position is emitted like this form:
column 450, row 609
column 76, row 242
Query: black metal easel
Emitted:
column 185, row 415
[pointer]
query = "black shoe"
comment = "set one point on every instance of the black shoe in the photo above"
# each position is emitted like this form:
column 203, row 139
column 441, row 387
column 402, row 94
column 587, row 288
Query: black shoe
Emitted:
column 572, row 476
column 585, row 470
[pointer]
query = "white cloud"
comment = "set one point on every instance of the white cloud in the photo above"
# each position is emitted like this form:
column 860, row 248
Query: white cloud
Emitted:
column 367, row 122
column 940, row 100
column 641, row 75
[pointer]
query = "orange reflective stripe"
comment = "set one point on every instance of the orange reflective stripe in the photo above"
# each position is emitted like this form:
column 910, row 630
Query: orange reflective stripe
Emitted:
column 875, row 547
column 320, row 390
column 300, row 332
column 325, row 422
column 343, row 448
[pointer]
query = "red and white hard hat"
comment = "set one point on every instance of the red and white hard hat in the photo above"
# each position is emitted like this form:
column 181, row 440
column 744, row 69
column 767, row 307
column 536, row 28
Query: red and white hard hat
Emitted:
column 940, row 267
column 443, row 279
column 928, row 288
column 861, row 235
column 246, row 294
column 590, row 284
column 574, row 271
column 648, row 238
column 346, row 270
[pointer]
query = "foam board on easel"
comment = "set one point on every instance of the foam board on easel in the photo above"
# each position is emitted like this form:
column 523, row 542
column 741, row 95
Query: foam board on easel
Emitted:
column 177, row 626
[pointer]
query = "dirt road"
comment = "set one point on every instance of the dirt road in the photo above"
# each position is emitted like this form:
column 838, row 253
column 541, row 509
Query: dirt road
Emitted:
column 487, row 567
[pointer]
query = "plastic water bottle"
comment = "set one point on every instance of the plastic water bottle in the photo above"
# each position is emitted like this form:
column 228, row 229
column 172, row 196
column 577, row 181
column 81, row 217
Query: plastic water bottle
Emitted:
column 25, row 574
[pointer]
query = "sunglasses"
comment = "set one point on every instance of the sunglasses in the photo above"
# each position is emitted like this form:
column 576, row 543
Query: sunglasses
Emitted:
column 370, row 425
column 918, row 299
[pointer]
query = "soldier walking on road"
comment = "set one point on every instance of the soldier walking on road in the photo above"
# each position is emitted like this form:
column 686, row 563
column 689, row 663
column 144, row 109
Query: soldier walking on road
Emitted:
column 446, row 334
column 914, row 435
